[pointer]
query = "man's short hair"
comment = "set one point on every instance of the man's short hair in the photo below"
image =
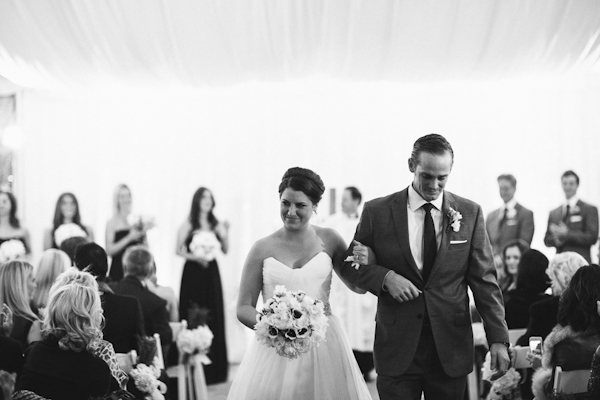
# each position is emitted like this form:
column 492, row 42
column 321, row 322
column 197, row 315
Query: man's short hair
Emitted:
column 92, row 258
column 570, row 173
column 354, row 193
column 137, row 262
column 508, row 177
column 432, row 144
column 70, row 245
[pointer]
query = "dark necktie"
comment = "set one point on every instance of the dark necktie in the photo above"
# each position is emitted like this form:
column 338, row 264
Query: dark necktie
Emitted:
column 429, row 243
column 505, row 215
column 566, row 216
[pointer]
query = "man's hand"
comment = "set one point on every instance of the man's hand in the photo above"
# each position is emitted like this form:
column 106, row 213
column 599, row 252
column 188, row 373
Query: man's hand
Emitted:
column 363, row 254
column 400, row 288
column 500, row 361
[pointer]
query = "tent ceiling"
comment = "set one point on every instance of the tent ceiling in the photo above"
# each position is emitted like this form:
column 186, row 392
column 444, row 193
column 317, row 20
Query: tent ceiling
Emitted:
column 225, row 42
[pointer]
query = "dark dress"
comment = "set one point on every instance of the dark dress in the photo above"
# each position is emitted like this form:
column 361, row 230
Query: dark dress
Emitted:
column 11, row 355
column 116, row 265
column 201, row 286
column 63, row 374
column 20, row 330
column 516, row 305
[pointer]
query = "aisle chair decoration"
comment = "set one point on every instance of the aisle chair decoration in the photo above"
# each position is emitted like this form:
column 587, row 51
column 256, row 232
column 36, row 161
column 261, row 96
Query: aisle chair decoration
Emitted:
column 146, row 368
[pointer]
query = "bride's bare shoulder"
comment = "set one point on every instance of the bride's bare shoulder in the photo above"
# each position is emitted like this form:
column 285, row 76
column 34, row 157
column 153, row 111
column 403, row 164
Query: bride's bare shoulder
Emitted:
column 265, row 247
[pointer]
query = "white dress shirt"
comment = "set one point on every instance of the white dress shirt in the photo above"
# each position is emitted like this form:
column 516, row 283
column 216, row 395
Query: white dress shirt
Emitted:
column 416, row 218
column 572, row 203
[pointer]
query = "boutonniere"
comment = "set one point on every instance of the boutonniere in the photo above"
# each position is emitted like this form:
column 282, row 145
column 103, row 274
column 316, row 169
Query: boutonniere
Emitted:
column 575, row 210
column 511, row 213
column 454, row 217
column 353, row 261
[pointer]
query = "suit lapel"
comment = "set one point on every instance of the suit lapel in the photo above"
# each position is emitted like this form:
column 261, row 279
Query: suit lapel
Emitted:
column 445, row 242
column 401, row 223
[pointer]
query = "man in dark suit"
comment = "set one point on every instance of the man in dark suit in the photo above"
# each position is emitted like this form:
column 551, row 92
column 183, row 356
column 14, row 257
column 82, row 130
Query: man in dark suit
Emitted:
column 512, row 221
column 123, row 319
column 137, row 263
column 573, row 226
column 429, row 246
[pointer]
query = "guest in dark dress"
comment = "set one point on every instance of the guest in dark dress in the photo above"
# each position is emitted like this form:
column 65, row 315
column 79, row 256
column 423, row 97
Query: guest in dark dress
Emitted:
column 123, row 320
column 52, row 264
column 120, row 234
column 63, row 365
column 11, row 353
column 68, row 220
column 543, row 314
column 10, row 226
column 17, row 288
column 532, row 282
column 200, row 239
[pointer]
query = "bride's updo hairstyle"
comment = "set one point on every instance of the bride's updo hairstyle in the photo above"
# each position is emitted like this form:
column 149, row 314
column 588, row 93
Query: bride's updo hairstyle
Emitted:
column 305, row 181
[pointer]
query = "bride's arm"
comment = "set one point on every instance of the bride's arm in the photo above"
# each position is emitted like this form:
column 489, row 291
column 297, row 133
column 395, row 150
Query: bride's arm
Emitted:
column 250, row 287
column 339, row 250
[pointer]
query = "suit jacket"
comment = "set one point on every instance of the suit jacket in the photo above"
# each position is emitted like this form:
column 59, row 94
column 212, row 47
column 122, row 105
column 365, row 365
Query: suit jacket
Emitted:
column 583, row 229
column 154, row 309
column 123, row 321
column 463, row 258
column 520, row 226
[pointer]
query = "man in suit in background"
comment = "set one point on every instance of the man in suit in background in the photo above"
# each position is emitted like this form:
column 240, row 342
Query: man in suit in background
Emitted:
column 509, row 222
column 573, row 226
column 137, row 263
column 430, row 246
column 123, row 319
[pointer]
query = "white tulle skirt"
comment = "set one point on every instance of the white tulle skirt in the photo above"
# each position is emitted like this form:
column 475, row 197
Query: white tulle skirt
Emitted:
column 326, row 372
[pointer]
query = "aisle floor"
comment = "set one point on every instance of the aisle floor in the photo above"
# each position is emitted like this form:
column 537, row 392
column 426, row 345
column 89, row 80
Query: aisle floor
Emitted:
column 219, row 392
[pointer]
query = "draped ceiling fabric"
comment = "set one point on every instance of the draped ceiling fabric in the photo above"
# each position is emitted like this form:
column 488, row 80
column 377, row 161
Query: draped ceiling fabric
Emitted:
column 224, row 42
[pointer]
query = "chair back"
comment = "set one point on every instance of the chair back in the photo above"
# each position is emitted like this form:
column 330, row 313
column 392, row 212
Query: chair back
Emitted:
column 515, row 334
column 159, row 352
column 519, row 360
column 571, row 382
column 177, row 327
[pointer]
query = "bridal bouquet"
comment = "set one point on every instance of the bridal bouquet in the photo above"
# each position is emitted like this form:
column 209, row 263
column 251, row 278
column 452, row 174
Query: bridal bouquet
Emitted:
column 205, row 245
column 66, row 231
column 195, row 342
column 141, row 222
column 11, row 250
column 291, row 322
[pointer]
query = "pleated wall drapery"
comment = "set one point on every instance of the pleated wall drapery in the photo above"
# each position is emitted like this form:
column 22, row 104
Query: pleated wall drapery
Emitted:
column 224, row 42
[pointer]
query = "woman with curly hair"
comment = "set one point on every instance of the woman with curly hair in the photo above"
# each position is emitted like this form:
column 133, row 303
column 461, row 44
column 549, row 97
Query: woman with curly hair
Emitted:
column 64, row 365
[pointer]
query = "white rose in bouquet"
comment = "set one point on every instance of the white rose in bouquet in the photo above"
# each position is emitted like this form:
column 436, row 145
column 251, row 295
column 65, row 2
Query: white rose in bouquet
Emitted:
column 12, row 250
column 197, row 341
column 66, row 231
column 205, row 245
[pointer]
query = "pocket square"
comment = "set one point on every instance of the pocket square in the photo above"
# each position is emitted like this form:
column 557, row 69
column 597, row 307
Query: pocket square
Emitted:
column 458, row 241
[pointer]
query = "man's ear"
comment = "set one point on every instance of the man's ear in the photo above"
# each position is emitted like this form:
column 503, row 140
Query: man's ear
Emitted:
column 411, row 165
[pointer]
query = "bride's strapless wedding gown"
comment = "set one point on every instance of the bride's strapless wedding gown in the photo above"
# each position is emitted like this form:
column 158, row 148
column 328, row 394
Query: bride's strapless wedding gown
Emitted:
column 328, row 371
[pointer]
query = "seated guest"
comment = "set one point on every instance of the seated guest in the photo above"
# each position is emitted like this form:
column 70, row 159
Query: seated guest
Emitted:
column 137, row 262
column 11, row 354
column 17, row 288
column 511, row 255
column 532, row 282
column 122, row 314
column 543, row 314
column 70, row 245
column 63, row 365
column 52, row 264
column 164, row 292
column 572, row 343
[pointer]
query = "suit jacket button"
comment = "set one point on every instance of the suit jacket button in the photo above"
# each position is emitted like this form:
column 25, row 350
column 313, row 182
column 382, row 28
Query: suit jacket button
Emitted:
column 419, row 316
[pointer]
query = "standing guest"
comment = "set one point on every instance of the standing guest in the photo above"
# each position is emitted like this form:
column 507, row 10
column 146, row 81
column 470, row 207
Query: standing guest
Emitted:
column 429, row 246
column 199, row 240
column 66, row 223
column 119, row 233
column 164, row 292
column 64, row 364
column 10, row 226
column 573, row 226
column 356, row 311
column 543, row 314
column 511, row 255
column 511, row 221
column 137, row 262
column 52, row 264
column 123, row 319
column 532, row 282
column 572, row 343
column 18, row 286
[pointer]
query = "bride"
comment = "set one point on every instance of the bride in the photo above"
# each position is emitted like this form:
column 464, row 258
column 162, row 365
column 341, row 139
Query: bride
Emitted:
column 299, row 256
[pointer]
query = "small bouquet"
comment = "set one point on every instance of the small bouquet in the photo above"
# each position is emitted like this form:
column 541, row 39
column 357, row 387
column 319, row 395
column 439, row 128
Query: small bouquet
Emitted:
column 141, row 222
column 146, row 372
column 195, row 342
column 66, row 231
column 504, row 388
column 291, row 322
column 205, row 244
column 11, row 250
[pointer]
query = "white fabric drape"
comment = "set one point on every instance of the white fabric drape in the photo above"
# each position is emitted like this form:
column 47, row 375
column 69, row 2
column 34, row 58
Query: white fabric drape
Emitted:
column 223, row 42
